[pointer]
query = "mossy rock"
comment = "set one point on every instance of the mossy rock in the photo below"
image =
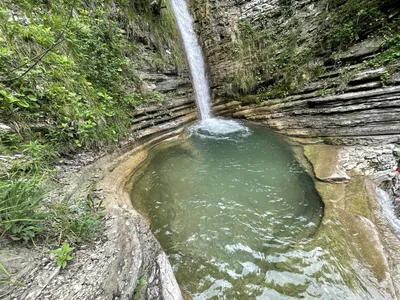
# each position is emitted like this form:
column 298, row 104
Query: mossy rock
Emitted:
column 346, row 230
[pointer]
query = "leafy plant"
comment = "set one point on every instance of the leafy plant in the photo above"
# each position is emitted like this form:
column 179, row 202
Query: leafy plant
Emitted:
column 79, row 96
column 64, row 254
column 20, row 203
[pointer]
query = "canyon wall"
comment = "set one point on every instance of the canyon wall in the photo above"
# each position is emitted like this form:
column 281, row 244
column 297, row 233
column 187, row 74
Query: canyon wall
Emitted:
column 310, row 69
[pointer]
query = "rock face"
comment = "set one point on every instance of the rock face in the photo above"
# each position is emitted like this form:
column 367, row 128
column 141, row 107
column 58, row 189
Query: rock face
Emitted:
column 224, row 25
column 352, row 116
column 353, row 222
column 346, row 98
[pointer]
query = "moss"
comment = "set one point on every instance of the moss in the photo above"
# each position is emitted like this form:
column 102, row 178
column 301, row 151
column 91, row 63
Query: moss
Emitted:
column 333, row 195
column 346, row 231
column 357, row 198
column 345, row 234
column 365, row 245
column 333, row 140
column 323, row 158
column 280, row 64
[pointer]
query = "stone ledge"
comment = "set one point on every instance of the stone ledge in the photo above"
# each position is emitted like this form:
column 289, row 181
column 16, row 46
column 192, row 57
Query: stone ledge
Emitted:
column 353, row 226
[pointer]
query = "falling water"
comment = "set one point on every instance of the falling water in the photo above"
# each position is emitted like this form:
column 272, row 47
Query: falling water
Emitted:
column 388, row 210
column 197, row 66
column 194, row 57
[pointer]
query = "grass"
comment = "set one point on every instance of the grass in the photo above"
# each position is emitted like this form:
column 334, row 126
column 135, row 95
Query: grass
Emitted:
column 24, row 216
column 77, row 221
column 20, row 203
column 6, row 278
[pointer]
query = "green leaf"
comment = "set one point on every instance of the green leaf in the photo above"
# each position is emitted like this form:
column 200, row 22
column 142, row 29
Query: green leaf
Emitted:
column 32, row 98
column 22, row 103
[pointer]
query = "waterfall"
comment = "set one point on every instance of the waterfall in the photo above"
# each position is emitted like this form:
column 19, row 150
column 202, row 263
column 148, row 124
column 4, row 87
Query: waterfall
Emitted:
column 194, row 57
column 388, row 210
column 208, row 126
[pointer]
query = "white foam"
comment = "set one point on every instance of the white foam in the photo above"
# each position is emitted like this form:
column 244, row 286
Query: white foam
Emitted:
column 219, row 129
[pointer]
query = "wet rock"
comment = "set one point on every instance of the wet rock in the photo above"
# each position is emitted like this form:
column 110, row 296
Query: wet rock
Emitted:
column 322, row 158
column 364, row 49
column 353, row 223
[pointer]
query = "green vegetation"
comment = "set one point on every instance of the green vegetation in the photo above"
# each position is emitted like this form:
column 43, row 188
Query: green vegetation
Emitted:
column 82, row 89
column 24, row 216
column 139, row 284
column 64, row 254
column 343, row 22
column 69, row 82
column 78, row 221
column 281, row 65
column 390, row 53
column 20, row 202
column 7, row 278
column 277, row 57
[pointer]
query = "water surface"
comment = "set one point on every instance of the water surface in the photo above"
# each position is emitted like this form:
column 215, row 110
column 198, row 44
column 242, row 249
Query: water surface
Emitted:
column 228, row 208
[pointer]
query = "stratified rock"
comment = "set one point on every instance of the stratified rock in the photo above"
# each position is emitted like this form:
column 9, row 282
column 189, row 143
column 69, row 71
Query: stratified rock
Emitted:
column 324, row 160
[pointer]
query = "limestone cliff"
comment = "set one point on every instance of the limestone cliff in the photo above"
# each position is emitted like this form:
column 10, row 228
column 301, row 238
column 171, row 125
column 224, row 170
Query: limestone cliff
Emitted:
column 306, row 68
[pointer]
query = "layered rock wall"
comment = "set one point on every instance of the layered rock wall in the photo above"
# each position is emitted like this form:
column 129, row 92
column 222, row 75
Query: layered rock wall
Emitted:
column 346, row 97
column 361, row 116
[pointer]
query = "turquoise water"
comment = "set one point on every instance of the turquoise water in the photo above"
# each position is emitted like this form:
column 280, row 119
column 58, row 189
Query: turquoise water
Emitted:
column 236, row 212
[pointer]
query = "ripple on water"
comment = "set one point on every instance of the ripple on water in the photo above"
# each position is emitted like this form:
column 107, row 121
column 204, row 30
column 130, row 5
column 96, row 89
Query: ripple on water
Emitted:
column 237, row 219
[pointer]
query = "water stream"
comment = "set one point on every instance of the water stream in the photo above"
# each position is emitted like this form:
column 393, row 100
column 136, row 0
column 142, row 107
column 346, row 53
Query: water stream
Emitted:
column 388, row 210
